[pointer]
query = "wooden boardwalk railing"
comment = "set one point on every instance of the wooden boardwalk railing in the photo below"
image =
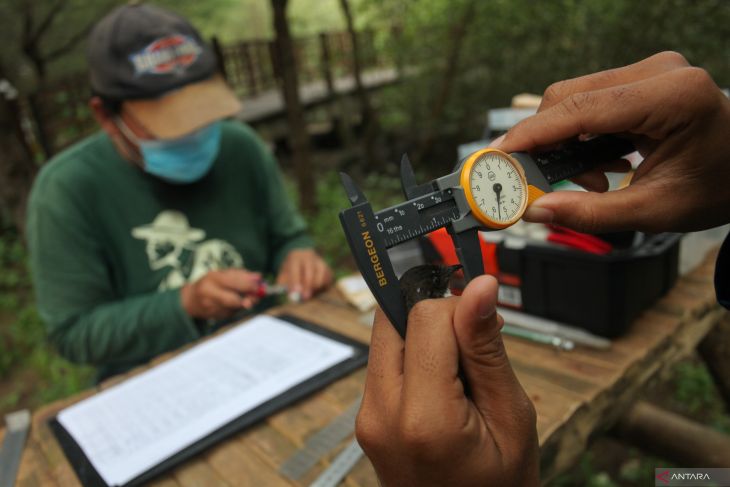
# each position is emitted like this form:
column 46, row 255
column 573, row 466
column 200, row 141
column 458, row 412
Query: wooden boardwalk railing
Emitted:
column 59, row 114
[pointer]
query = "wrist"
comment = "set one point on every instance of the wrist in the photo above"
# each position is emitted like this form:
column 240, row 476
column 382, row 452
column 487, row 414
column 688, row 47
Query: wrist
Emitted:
column 202, row 325
column 186, row 300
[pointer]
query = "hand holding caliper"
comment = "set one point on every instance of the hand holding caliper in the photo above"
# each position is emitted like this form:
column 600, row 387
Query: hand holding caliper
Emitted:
column 461, row 202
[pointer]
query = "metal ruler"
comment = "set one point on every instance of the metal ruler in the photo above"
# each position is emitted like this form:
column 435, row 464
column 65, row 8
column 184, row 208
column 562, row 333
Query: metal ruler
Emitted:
column 320, row 444
column 340, row 467
column 416, row 217
column 18, row 424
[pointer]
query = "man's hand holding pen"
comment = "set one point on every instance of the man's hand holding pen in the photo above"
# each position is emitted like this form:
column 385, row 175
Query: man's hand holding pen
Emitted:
column 220, row 293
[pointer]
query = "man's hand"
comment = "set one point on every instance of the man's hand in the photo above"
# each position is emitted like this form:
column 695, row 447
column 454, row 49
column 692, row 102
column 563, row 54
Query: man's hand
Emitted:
column 219, row 294
column 680, row 122
column 304, row 272
column 416, row 425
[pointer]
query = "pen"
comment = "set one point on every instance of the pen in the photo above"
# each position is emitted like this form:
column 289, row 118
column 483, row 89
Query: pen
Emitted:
column 538, row 337
column 552, row 328
column 265, row 289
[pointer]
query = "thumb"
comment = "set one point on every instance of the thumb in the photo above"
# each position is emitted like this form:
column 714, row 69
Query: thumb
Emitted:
column 495, row 391
column 593, row 212
column 494, row 386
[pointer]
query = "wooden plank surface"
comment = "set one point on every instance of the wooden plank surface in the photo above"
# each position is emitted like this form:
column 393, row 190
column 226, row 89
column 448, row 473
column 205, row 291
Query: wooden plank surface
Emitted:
column 576, row 394
column 32, row 471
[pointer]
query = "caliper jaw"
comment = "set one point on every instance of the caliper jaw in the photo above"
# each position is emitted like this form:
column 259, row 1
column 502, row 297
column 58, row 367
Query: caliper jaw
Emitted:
column 411, row 189
column 371, row 255
column 468, row 250
column 464, row 232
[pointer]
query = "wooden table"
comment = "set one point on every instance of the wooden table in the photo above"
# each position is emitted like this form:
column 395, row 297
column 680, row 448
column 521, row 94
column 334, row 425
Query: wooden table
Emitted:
column 577, row 394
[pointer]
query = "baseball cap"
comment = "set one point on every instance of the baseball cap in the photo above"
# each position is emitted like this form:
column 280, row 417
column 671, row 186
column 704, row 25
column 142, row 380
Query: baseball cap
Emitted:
column 157, row 63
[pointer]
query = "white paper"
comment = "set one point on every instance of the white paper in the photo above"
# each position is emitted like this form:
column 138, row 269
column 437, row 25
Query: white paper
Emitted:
column 353, row 284
column 131, row 427
column 356, row 291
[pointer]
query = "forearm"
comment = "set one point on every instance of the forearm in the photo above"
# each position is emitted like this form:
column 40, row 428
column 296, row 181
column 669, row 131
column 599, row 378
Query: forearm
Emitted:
column 126, row 331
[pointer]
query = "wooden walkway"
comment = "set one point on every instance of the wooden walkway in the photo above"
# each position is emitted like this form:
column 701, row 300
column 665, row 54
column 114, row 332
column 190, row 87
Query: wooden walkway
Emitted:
column 269, row 105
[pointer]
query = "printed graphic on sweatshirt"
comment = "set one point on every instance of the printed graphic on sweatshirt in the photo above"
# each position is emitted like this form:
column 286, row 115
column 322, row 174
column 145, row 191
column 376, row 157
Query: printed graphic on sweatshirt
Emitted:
column 173, row 244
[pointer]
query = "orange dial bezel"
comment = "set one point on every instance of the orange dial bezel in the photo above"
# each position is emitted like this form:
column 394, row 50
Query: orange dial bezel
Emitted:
column 481, row 216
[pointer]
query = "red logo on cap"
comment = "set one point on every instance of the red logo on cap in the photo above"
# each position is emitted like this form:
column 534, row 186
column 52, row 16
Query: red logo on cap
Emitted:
column 165, row 55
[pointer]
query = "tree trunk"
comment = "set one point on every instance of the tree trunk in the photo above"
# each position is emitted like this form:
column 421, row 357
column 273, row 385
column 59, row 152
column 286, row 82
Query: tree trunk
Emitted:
column 286, row 68
column 38, row 63
column 370, row 122
column 337, row 110
column 457, row 34
column 17, row 168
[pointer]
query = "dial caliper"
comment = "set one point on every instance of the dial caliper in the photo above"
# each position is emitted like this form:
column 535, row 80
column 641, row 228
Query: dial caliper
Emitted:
column 489, row 190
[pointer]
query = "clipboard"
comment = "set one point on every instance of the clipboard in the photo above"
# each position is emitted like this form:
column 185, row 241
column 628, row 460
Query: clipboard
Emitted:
column 89, row 477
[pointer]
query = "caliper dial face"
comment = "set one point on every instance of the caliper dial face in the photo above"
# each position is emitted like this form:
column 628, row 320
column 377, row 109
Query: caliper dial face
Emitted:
column 495, row 188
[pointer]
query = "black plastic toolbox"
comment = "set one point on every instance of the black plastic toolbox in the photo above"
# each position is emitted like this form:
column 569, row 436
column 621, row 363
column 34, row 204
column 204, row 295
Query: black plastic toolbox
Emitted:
column 602, row 294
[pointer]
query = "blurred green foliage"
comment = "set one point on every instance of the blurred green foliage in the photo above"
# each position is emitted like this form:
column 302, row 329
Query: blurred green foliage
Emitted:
column 510, row 45
column 695, row 395
column 31, row 372
column 514, row 46
column 229, row 20
column 585, row 473
column 694, row 388
column 324, row 227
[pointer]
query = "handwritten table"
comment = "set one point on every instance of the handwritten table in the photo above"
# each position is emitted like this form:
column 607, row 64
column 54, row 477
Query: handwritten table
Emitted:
column 577, row 394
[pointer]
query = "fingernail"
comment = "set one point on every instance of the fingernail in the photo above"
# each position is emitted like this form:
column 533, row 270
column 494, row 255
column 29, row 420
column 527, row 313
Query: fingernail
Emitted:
column 495, row 143
column 536, row 214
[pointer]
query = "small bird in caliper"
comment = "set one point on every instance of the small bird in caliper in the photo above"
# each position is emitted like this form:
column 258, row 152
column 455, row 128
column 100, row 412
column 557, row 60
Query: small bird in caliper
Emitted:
column 426, row 281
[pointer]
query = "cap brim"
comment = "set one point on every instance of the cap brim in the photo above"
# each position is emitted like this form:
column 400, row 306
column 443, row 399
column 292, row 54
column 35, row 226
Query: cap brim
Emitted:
column 182, row 111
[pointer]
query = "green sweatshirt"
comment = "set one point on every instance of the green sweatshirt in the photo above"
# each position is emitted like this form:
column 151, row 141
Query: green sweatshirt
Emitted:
column 111, row 245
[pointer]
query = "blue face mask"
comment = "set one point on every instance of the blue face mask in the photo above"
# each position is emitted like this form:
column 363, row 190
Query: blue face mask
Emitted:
column 183, row 160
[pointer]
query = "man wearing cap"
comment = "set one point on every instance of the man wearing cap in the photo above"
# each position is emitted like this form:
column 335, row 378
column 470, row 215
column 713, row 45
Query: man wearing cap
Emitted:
column 148, row 233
